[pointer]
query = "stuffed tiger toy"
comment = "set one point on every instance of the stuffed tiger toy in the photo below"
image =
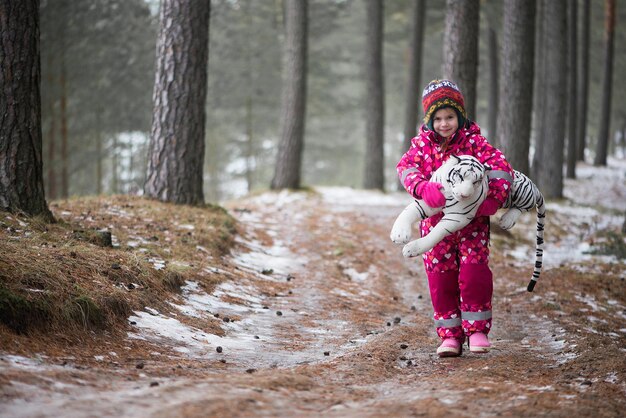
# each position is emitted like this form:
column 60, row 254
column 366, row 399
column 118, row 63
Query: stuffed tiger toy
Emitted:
column 465, row 186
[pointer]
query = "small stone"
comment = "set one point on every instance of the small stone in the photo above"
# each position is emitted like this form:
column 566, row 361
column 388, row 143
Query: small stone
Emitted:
column 216, row 315
column 140, row 365
column 133, row 323
column 153, row 384
column 395, row 298
column 267, row 271
column 388, row 324
column 73, row 254
column 279, row 313
column 116, row 266
column 413, row 308
column 250, row 371
column 226, row 319
column 223, row 361
column 396, row 320
column 419, row 296
column 290, row 277
column 586, row 383
column 327, row 353
column 402, row 358
column 218, row 349
column 130, row 286
column 266, row 307
column 404, row 346
column 256, row 337
column 409, row 363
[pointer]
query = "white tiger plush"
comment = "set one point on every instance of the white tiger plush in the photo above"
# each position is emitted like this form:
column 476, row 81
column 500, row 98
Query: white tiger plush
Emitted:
column 465, row 185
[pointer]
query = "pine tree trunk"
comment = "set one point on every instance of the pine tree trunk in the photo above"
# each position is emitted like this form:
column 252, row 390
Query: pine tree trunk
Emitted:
column 99, row 155
column 460, row 48
column 607, row 84
column 289, row 157
column 375, row 102
column 114, row 166
column 583, row 82
column 413, row 98
column 21, row 168
column 176, row 151
column 65, row 184
column 541, row 93
column 516, row 82
column 572, row 74
column 249, row 147
column 538, row 84
column 52, row 178
column 493, row 87
column 549, row 163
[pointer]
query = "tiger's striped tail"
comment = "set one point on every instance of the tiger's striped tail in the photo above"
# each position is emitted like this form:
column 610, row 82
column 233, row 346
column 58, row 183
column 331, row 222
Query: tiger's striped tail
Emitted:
column 541, row 214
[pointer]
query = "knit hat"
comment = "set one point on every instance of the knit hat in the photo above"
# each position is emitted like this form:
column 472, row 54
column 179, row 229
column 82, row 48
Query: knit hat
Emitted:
column 439, row 94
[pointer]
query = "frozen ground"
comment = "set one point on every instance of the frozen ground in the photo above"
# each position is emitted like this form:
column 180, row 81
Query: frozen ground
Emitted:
column 327, row 319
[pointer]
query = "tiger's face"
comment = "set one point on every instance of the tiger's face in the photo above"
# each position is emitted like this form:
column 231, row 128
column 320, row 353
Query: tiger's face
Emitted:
column 465, row 177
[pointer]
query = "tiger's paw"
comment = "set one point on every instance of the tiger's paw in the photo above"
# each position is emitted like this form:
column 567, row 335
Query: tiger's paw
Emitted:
column 400, row 233
column 507, row 221
column 413, row 249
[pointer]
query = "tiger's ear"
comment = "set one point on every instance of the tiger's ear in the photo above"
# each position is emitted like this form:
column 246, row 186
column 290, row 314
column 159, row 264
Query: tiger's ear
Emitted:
column 453, row 159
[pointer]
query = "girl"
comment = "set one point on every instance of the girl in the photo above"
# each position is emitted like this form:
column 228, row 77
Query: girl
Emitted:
column 459, row 277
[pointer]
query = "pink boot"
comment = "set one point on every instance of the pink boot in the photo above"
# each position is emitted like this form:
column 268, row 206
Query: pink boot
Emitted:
column 450, row 347
column 479, row 343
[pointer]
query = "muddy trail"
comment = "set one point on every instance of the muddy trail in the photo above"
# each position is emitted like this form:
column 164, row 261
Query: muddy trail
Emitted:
column 323, row 317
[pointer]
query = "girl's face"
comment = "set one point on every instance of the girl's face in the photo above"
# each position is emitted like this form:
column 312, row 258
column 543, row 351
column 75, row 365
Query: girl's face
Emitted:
column 445, row 122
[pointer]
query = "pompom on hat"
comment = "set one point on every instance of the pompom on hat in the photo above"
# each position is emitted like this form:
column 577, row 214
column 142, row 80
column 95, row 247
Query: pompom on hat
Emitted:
column 439, row 94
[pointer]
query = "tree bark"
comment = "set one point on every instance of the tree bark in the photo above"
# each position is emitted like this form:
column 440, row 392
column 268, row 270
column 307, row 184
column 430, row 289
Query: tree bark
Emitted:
column 289, row 157
column 460, row 48
column 52, row 178
column 413, row 99
column 548, row 165
column 21, row 167
column 65, row 182
column 113, row 151
column 99, row 155
column 375, row 102
column 249, row 147
column 176, row 150
column 539, row 91
column 516, row 82
column 492, row 129
column 583, row 82
column 572, row 80
column 607, row 84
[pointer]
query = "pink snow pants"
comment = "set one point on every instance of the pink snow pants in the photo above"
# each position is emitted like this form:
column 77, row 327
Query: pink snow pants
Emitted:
column 459, row 278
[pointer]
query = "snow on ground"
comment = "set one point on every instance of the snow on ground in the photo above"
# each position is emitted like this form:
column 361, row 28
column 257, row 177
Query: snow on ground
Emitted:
column 242, row 337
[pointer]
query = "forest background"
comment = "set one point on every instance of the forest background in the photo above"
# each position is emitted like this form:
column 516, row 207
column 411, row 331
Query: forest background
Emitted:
column 98, row 72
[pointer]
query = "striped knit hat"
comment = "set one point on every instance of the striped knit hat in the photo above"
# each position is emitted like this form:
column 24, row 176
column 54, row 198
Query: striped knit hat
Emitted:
column 442, row 93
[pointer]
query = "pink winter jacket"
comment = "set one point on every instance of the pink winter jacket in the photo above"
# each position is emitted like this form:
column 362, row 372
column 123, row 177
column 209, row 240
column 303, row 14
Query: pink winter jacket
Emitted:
column 427, row 154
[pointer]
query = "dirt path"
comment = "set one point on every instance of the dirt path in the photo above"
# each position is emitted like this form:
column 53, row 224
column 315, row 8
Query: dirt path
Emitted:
column 336, row 324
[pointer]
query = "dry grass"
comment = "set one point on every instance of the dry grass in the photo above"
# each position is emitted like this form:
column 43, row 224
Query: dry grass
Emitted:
column 60, row 278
